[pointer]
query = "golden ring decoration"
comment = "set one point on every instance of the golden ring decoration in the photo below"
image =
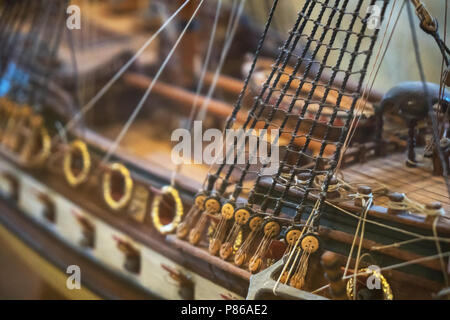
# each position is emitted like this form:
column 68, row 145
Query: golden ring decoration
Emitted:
column 170, row 227
column 292, row 236
column 107, row 188
column 227, row 211
column 241, row 216
column 387, row 292
column 200, row 201
column 44, row 153
column 72, row 179
column 309, row 243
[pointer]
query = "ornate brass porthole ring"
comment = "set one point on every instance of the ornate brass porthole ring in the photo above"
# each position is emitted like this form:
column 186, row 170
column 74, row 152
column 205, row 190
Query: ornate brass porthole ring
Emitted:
column 108, row 188
column 385, row 287
column 77, row 179
column 170, row 227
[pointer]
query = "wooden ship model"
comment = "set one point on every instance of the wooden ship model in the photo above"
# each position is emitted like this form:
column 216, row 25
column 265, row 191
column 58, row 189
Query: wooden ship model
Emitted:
column 355, row 208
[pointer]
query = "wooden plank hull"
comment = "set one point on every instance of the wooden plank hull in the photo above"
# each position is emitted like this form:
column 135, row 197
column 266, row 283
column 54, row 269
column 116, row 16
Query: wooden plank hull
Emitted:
column 153, row 277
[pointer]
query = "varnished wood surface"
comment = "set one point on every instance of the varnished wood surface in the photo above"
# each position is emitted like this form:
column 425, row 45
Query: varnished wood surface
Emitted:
column 140, row 142
column 418, row 184
column 202, row 253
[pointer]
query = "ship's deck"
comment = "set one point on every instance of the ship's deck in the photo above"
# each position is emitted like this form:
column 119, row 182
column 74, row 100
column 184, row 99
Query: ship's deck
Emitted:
column 139, row 142
column 418, row 184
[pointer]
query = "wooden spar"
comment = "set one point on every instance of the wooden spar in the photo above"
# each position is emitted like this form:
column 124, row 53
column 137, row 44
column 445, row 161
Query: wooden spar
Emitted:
column 372, row 96
column 226, row 83
column 179, row 95
column 222, row 110
column 185, row 99
column 367, row 244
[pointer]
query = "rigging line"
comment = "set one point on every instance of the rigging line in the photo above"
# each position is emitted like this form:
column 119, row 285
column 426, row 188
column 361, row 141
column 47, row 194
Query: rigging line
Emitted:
column 14, row 27
column 361, row 238
column 200, row 81
column 441, row 82
column 334, row 114
column 365, row 96
column 238, row 104
column 351, row 110
column 393, row 266
column 84, row 47
column 277, row 104
column 223, row 57
column 15, row 22
column 133, row 116
column 276, row 22
column 306, row 48
column 49, row 42
column 38, row 44
column 232, row 18
column 414, row 261
column 265, row 86
column 18, row 43
column 93, row 39
column 307, row 100
column 205, row 64
column 36, row 41
column 307, row 224
column 412, row 234
column 124, row 68
column 10, row 44
column 23, row 60
column 6, row 33
column 347, row 265
column 401, row 243
column 233, row 11
column 76, row 79
column 161, row 11
column 439, row 250
column 37, row 97
column 225, row 50
column 252, row 117
column 300, row 252
column 431, row 114
column 442, row 47
column 53, row 45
